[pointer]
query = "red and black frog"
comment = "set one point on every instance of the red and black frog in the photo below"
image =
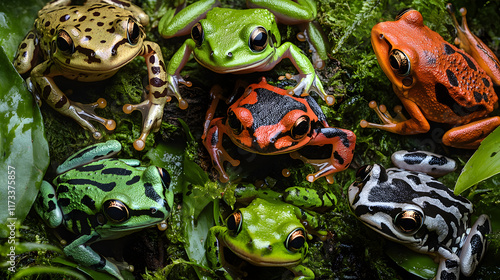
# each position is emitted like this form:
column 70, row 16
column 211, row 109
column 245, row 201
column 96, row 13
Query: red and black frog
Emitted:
column 436, row 81
column 267, row 120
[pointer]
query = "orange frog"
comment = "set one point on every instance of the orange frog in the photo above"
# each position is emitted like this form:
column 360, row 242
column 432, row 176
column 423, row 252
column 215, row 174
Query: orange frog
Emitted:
column 436, row 81
column 267, row 120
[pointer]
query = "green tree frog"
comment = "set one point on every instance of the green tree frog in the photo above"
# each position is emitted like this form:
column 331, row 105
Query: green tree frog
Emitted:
column 100, row 198
column 243, row 41
column 88, row 43
column 269, row 231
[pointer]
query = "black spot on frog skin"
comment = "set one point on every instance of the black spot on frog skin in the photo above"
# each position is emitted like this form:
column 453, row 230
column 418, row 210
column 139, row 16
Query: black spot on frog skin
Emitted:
column 100, row 23
column 116, row 171
column 63, row 201
column 331, row 132
column 134, row 180
column 52, row 206
column 107, row 187
column 118, row 44
column 62, row 101
column 448, row 49
column 96, row 14
column 443, row 97
column 477, row 96
column 438, row 160
column 156, row 70
column 89, row 53
column 90, row 167
column 451, row 264
column 151, row 193
column 157, row 82
column 47, row 24
column 89, row 202
column 414, row 158
column 477, row 245
column 338, row 157
column 493, row 154
column 414, row 179
column 23, row 45
column 486, row 82
column 64, row 18
column 82, row 18
column 469, row 61
column 452, row 78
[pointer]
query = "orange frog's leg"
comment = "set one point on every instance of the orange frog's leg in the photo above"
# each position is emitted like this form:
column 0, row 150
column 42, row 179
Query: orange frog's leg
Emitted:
column 152, row 107
column 469, row 136
column 399, row 124
column 213, row 144
column 474, row 46
column 342, row 141
column 45, row 86
column 215, row 95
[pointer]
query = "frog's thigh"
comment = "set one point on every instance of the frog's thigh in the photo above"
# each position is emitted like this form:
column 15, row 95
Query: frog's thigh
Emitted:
column 469, row 136
column 475, row 245
column 47, row 207
column 287, row 11
column 301, row 272
column 84, row 255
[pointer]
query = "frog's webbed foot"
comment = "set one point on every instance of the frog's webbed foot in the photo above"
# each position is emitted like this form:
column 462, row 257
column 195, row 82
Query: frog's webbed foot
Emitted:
column 475, row 245
column 386, row 118
column 152, row 115
column 306, row 83
column 173, row 86
column 85, row 112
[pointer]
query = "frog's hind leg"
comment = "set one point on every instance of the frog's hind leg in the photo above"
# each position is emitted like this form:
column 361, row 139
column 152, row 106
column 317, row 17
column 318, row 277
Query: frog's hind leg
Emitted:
column 469, row 136
column 475, row 245
column 342, row 141
column 471, row 44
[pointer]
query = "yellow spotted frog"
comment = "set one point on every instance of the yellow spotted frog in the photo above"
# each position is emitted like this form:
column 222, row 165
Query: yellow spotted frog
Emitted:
column 90, row 43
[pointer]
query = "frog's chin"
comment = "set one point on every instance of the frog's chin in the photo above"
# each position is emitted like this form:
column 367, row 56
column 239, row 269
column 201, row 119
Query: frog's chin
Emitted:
column 260, row 65
column 259, row 261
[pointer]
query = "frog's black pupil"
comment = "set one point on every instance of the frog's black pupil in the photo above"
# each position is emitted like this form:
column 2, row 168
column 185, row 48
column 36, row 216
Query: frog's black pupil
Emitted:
column 295, row 240
column 197, row 34
column 394, row 62
column 234, row 123
column 165, row 177
column 363, row 171
column 399, row 62
column 409, row 221
column 116, row 211
column 64, row 42
column 133, row 35
column 301, row 127
column 234, row 222
column 258, row 39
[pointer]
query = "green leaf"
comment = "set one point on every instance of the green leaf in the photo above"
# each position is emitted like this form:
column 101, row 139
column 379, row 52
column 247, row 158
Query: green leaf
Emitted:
column 483, row 164
column 24, row 149
column 421, row 265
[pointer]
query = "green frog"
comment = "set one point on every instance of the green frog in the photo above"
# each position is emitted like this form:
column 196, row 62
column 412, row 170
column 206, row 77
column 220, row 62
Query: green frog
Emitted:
column 88, row 43
column 99, row 198
column 244, row 41
column 270, row 231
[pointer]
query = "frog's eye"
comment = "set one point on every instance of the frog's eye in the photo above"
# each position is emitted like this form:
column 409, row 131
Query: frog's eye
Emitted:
column 65, row 43
column 399, row 62
column 234, row 222
column 258, row 39
column 402, row 12
column 300, row 127
column 409, row 221
column 197, row 34
column 116, row 211
column 165, row 177
column 133, row 32
column 295, row 240
column 363, row 172
column 234, row 123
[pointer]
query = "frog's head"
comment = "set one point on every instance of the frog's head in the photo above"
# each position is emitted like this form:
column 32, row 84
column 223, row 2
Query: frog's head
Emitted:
column 97, row 45
column 266, row 234
column 267, row 120
column 230, row 40
column 376, row 201
column 396, row 44
column 148, row 202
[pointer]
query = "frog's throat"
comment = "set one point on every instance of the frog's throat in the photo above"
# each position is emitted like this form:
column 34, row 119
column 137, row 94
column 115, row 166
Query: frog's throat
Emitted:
column 99, row 70
column 256, row 260
column 261, row 65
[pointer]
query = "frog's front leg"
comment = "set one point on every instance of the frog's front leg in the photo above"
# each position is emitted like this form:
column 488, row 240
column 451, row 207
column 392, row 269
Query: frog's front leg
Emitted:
column 301, row 13
column 174, row 68
column 399, row 124
column 307, row 78
column 342, row 141
column 475, row 245
column 46, row 205
column 474, row 46
column 152, row 107
column 50, row 92
column 83, row 254
column 301, row 272
column 469, row 136
column 213, row 253
column 213, row 144
column 449, row 265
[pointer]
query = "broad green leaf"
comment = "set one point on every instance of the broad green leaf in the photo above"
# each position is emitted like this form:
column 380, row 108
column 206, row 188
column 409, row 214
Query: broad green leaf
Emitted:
column 483, row 164
column 24, row 149
column 421, row 265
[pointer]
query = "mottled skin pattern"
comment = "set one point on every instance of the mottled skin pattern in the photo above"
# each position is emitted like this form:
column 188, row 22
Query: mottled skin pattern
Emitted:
column 434, row 80
column 425, row 162
column 268, row 121
column 91, row 43
column 100, row 198
column 421, row 213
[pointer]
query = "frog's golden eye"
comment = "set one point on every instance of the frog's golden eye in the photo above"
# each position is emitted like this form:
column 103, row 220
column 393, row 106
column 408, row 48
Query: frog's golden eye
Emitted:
column 165, row 177
column 258, row 39
column 409, row 221
column 133, row 32
column 65, row 43
column 234, row 222
column 116, row 211
column 300, row 128
column 296, row 240
column 363, row 172
column 197, row 34
column 234, row 123
column 399, row 62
